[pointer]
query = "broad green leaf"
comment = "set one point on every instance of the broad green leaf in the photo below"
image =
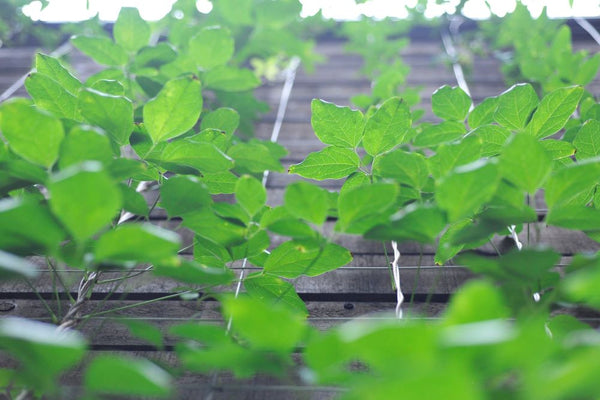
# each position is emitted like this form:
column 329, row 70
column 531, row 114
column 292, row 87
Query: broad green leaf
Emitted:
column 493, row 138
column 12, row 266
column 554, row 111
column 114, row 114
column 329, row 163
column 253, row 319
column 489, row 300
column 182, row 194
column 84, row 143
column 109, row 86
column 306, row 257
column 587, row 141
column 277, row 14
column 446, row 249
column 250, row 194
column 52, row 68
column 467, row 188
column 132, row 244
column 569, row 182
column 307, row 201
column 27, row 226
column 361, row 204
column 201, row 156
column 483, row 114
column 279, row 220
column 37, row 344
column 254, row 157
column 84, row 198
column 451, row 155
column 215, row 229
column 574, row 217
column 118, row 375
column 50, row 95
column 101, row 49
column 223, row 119
column 133, row 201
column 231, row 79
column 31, row 133
column 236, row 12
column 255, row 245
column 558, row 149
column 211, row 47
column 175, row 110
column 210, row 253
column 274, row 290
column 131, row 31
column 525, row 162
column 450, row 103
column 387, row 127
column 219, row 182
column 335, row 125
column 196, row 273
column 416, row 222
column 434, row 135
column 515, row 106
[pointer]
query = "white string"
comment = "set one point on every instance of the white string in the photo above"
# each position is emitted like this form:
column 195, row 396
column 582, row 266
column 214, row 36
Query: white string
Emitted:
column 396, row 273
column 589, row 28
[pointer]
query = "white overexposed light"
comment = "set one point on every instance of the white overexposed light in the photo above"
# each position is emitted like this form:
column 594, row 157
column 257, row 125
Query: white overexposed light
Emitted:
column 108, row 10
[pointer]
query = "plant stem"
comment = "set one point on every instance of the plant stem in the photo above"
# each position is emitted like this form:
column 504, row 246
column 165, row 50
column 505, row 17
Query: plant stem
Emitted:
column 142, row 303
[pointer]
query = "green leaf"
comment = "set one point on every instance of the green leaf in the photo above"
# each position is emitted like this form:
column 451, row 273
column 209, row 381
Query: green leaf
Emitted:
column 114, row 114
column 220, row 182
column 223, row 119
column 489, row 300
column 109, row 86
column 201, row 156
column 574, row 217
column 587, row 141
column 37, row 344
column 450, row 103
column 50, row 95
column 416, row 222
column 434, row 135
column 483, row 114
column 361, row 204
column 254, row 157
column 306, row 257
column 329, row 163
column 132, row 244
column 133, row 201
column 569, row 182
column 215, row 229
column 120, row 375
column 181, row 194
column 387, row 127
column 231, row 79
column 195, row 273
column 145, row 331
column 554, row 111
column 175, row 110
column 558, row 149
column 27, row 226
column 446, row 249
column 211, row 47
column 84, row 198
column 101, row 49
column 525, row 162
column 252, row 321
column 250, row 194
column 31, row 133
column 515, row 106
column 337, row 126
column 12, row 266
column 451, row 155
column 270, row 289
column 467, row 188
column 84, row 143
column 307, row 201
column 131, row 31
column 493, row 138
column 52, row 68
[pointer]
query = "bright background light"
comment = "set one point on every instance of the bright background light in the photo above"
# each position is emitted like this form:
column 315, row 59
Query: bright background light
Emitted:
column 107, row 10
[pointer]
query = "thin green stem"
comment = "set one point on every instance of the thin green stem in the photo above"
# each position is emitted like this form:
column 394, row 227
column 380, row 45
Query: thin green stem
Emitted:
column 417, row 277
column 389, row 265
column 44, row 302
column 139, row 304
column 59, row 278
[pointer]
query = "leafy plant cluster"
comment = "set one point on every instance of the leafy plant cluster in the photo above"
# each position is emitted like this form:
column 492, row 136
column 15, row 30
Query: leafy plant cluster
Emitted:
column 547, row 58
column 168, row 112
